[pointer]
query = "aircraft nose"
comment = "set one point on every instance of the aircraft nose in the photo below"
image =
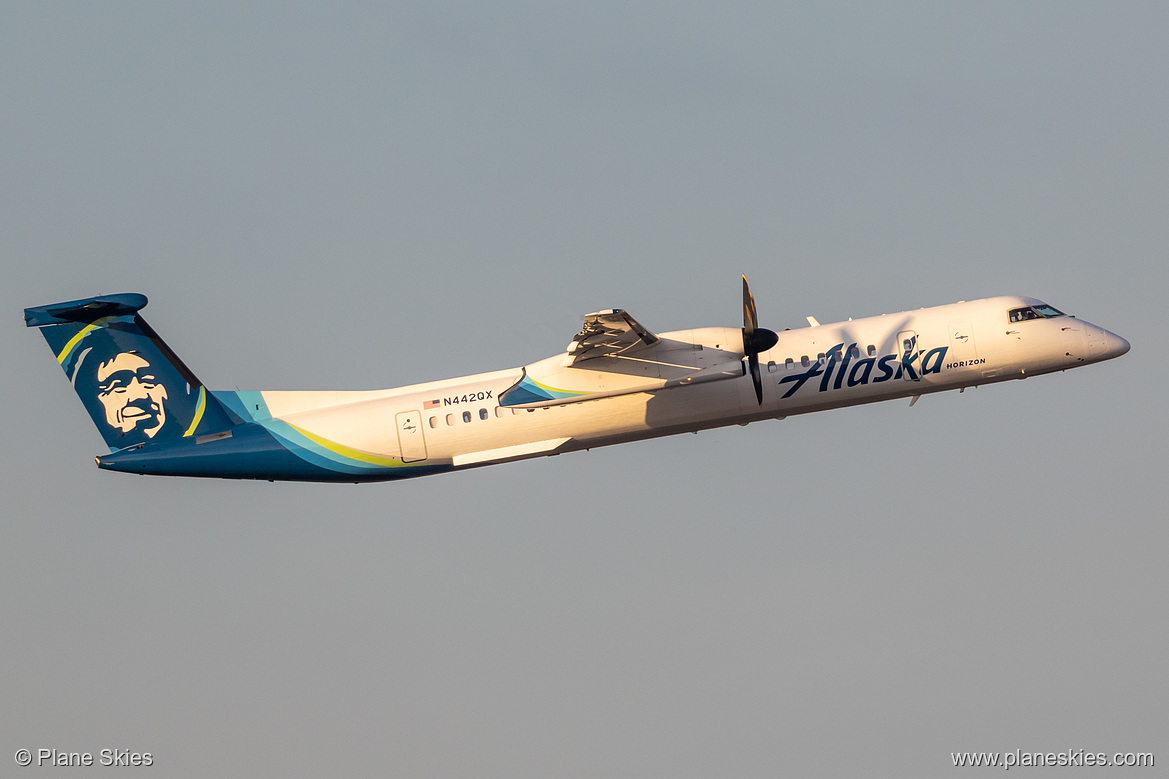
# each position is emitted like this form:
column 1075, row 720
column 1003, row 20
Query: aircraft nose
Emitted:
column 1116, row 345
column 1105, row 345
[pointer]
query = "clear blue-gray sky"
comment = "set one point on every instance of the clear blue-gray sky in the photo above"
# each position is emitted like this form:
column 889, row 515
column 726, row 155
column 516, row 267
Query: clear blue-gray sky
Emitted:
column 366, row 195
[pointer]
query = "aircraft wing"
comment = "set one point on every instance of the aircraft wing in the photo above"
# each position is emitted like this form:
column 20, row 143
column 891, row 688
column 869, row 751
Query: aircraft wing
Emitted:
column 613, row 354
column 609, row 334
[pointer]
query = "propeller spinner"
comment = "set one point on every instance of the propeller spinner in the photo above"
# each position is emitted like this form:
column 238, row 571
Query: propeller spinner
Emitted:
column 756, row 339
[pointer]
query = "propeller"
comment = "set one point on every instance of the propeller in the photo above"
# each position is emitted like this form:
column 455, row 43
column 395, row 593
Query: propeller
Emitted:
column 756, row 339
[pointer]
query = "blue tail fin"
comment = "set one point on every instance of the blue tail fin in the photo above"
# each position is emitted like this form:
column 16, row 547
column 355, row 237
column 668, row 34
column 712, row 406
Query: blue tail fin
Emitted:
column 136, row 389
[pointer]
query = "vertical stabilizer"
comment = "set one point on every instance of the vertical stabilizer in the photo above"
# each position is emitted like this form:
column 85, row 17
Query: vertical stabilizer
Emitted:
column 136, row 389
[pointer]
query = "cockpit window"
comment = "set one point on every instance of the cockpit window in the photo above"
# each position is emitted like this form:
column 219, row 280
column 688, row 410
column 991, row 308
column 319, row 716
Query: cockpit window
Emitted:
column 1023, row 314
column 1048, row 311
column 1041, row 311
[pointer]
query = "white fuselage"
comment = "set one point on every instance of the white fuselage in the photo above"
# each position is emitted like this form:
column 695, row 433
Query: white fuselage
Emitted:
column 460, row 422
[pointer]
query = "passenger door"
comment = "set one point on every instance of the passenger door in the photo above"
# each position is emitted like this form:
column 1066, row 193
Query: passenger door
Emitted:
column 410, row 438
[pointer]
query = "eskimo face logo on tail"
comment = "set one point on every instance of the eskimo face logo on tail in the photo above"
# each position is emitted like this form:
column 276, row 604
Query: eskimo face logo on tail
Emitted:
column 131, row 394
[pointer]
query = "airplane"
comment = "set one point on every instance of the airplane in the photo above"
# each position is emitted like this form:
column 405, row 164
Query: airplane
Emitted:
column 616, row 382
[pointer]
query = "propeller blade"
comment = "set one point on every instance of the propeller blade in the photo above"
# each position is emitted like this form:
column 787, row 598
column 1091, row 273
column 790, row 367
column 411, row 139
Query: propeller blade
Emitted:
column 750, row 317
column 753, row 361
column 756, row 339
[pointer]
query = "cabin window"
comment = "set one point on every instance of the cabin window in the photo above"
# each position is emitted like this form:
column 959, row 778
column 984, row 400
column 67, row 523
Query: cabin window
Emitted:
column 789, row 363
column 854, row 352
column 466, row 416
column 872, row 351
column 804, row 361
column 433, row 422
column 820, row 357
column 450, row 419
column 483, row 413
column 771, row 366
column 499, row 412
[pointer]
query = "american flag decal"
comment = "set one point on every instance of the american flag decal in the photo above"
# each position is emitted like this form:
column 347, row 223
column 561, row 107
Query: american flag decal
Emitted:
column 431, row 404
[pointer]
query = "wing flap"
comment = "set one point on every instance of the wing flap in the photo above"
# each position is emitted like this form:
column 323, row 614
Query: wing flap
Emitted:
column 609, row 333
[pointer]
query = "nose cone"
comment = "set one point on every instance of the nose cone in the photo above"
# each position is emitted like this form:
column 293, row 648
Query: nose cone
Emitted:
column 1105, row 345
column 1117, row 345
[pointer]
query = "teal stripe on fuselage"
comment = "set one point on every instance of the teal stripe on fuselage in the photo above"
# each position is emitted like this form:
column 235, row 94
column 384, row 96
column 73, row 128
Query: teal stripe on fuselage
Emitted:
column 248, row 405
column 313, row 452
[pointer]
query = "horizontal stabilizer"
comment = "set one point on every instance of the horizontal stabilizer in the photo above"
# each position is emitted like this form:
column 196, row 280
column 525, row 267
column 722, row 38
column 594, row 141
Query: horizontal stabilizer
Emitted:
column 85, row 310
